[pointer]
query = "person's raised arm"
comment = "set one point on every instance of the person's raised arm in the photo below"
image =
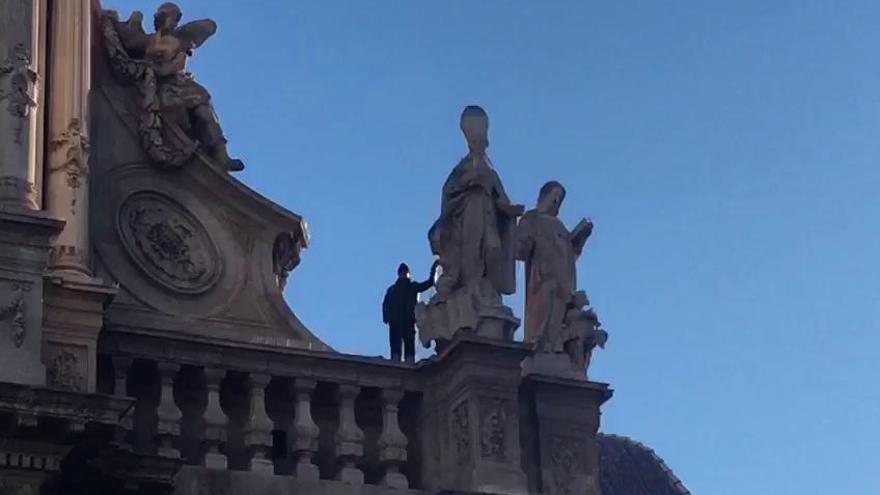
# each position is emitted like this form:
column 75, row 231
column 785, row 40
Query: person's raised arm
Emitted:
column 427, row 284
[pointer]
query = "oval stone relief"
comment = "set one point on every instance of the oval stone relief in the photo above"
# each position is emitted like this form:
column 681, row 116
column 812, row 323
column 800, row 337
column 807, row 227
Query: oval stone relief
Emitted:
column 168, row 243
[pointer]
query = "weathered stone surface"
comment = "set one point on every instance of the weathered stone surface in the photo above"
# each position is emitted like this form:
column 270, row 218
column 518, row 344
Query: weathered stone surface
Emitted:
column 216, row 422
column 469, row 423
column 24, row 251
column 349, row 436
column 560, row 446
column 258, row 430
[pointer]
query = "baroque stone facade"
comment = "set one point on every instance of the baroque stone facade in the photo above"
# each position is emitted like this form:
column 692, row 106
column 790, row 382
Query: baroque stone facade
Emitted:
column 147, row 346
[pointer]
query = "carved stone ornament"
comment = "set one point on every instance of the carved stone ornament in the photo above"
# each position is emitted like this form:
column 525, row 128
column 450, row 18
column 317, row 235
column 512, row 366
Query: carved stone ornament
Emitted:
column 15, row 311
column 74, row 162
column 22, row 79
column 63, row 371
column 565, row 459
column 461, row 433
column 286, row 254
column 168, row 243
column 138, row 72
column 493, row 421
column 155, row 64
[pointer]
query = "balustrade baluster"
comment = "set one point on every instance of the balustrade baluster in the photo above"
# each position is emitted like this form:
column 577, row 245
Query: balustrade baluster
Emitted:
column 305, row 431
column 258, row 431
column 349, row 437
column 216, row 422
column 169, row 415
column 392, row 442
column 121, row 366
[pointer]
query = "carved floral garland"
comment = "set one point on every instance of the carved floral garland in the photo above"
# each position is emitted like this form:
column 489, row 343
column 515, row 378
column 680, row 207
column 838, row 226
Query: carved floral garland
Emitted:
column 140, row 73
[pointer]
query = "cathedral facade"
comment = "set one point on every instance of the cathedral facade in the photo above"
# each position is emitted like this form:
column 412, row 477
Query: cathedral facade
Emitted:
column 146, row 344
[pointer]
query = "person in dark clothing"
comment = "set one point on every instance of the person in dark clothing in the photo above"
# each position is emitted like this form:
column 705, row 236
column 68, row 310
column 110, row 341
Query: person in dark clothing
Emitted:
column 398, row 311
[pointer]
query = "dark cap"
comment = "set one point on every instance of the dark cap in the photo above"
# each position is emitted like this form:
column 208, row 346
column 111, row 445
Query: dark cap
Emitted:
column 402, row 269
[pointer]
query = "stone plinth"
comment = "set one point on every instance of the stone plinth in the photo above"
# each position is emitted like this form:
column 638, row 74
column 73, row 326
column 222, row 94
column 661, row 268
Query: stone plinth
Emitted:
column 560, row 418
column 72, row 320
column 24, row 253
column 470, row 418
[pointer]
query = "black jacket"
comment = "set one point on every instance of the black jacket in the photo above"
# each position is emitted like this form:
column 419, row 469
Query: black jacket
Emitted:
column 399, row 304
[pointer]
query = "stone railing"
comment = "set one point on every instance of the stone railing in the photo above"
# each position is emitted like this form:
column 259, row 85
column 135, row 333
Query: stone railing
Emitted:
column 308, row 415
column 271, row 419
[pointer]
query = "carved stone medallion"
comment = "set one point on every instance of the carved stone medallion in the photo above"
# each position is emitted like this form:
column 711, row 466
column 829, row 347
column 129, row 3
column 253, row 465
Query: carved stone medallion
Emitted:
column 168, row 243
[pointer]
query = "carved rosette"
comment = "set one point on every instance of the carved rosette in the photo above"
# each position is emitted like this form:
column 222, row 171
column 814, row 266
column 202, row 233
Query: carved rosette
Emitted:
column 168, row 243
column 72, row 149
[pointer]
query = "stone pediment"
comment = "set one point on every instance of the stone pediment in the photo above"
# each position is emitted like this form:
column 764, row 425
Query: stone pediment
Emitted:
column 190, row 247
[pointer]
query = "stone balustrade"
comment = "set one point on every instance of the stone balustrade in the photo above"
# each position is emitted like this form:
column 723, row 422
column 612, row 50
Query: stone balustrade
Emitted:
column 283, row 411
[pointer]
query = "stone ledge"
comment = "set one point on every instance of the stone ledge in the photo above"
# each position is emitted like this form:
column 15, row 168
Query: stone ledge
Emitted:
column 44, row 402
column 34, row 222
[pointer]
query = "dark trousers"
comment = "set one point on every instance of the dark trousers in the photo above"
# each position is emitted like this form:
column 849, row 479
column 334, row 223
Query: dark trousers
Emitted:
column 402, row 333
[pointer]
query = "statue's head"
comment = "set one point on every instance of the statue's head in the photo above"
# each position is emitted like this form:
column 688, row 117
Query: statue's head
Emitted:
column 167, row 17
column 475, row 126
column 550, row 197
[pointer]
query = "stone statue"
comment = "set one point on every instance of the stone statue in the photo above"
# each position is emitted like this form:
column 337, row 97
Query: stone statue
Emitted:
column 286, row 254
column 474, row 239
column 157, row 64
column 556, row 322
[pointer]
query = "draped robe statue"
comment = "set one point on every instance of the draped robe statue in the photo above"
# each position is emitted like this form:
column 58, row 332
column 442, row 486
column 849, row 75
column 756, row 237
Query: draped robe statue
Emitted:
column 474, row 239
column 557, row 325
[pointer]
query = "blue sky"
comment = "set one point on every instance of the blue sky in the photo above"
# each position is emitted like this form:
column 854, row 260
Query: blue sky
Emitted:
column 728, row 153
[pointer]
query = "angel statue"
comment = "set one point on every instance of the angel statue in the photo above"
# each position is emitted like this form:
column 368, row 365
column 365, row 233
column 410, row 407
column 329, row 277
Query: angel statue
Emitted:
column 157, row 64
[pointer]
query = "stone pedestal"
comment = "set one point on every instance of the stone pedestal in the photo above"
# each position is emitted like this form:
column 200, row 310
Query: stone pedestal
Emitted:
column 552, row 364
column 24, row 251
column 559, row 445
column 470, row 418
column 73, row 318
